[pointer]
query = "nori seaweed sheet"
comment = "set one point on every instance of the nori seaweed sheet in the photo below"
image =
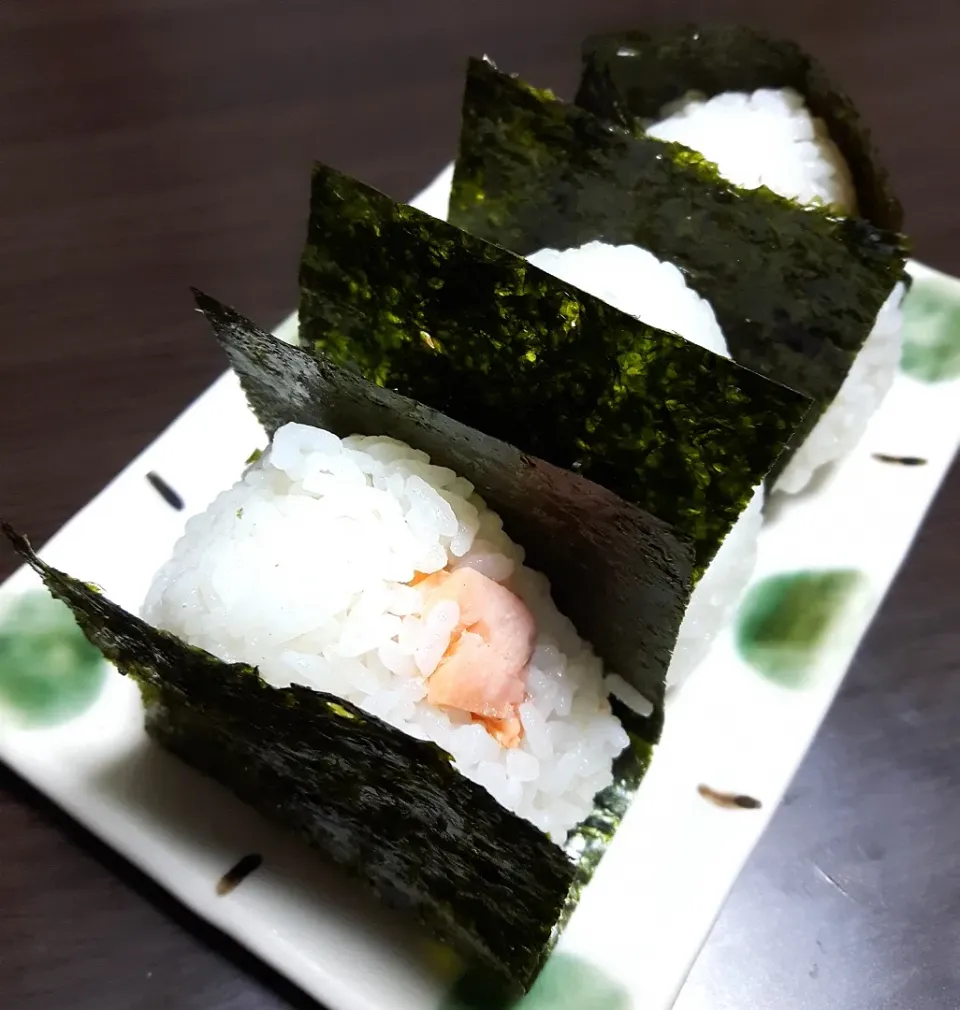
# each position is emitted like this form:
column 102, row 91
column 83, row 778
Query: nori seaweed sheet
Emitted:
column 796, row 292
column 631, row 75
column 388, row 808
column 459, row 324
column 620, row 574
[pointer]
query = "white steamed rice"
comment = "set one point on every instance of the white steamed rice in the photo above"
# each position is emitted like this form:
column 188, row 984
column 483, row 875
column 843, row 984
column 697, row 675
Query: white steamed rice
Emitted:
column 301, row 568
column 766, row 138
column 634, row 281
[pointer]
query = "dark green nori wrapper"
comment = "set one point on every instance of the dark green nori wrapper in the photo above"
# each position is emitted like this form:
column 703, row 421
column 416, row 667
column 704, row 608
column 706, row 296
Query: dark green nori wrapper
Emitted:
column 631, row 75
column 466, row 327
column 795, row 291
column 389, row 808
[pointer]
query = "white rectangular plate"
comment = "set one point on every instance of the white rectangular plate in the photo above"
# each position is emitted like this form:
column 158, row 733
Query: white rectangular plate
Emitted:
column 740, row 725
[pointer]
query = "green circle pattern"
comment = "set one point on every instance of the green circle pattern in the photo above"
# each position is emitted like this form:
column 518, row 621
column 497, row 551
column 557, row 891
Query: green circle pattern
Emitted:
column 49, row 672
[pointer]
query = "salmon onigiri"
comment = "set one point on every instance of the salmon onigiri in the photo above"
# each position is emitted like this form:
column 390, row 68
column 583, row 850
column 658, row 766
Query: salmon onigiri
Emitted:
column 355, row 566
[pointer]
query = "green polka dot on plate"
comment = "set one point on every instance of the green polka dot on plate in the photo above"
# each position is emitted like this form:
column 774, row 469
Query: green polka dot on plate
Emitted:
column 785, row 621
column 49, row 672
column 931, row 331
column 566, row 983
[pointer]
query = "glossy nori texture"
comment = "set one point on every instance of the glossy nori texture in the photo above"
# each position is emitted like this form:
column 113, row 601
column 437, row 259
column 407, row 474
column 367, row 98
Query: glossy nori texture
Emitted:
column 388, row 808
column 621, row 575
column 796, row 292
column 471, row 330
column 631, row 75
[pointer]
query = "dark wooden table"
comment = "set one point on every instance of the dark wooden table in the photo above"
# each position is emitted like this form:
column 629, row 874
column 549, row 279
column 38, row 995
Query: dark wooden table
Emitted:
column 146, row 145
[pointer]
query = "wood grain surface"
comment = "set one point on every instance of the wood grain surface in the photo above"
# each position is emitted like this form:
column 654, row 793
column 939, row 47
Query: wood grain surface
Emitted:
column 146, row 145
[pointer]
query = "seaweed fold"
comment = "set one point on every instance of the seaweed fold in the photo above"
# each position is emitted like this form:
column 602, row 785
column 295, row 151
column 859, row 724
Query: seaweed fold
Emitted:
column 795, row 291
column 443, row 316
column 628, row 76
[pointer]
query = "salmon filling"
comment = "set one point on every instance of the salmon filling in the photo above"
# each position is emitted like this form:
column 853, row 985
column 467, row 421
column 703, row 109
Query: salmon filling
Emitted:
column 483, row 669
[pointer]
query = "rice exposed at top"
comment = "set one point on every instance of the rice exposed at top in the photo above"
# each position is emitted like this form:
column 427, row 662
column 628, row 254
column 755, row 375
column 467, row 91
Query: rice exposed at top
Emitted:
column 634, row 281
column 766, row 138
